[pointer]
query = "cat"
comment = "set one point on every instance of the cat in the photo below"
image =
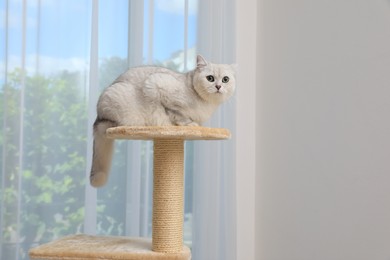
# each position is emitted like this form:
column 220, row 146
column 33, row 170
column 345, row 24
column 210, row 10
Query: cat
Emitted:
column 157, row 96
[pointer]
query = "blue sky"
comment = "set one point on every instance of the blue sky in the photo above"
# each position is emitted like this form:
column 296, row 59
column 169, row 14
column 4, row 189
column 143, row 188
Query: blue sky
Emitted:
column 60, row 35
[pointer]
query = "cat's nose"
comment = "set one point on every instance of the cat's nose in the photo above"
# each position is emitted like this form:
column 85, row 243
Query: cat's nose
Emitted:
column 218, row 86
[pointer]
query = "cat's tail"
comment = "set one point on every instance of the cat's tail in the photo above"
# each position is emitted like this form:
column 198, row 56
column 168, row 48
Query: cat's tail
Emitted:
column 103, row 149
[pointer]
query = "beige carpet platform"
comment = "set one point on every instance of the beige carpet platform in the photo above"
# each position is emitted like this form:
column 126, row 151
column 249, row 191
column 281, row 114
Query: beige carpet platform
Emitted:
column 168, row 202
column 167, row 132
column 83, row 247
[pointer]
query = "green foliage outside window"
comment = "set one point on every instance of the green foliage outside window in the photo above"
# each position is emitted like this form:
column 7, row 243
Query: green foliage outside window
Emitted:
column 50, row 144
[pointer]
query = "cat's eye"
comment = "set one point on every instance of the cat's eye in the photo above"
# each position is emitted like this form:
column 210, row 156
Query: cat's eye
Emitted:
column 210, row 78
column 225, row 79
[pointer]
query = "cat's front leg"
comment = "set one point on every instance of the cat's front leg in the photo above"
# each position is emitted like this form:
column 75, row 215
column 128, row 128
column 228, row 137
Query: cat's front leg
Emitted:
column 188, row 123
column 179, row 119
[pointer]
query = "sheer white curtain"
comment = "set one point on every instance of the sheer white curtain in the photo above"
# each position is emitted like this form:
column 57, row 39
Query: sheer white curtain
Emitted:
column 43, row 77
column 56, row 57
column 214, row 180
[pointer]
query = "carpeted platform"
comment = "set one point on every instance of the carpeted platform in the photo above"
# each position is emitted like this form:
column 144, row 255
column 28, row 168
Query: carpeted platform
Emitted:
column 85, row 247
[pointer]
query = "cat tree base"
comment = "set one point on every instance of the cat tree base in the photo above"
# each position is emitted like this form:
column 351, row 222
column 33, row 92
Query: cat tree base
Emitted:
column 84, row 247
column 168, row 202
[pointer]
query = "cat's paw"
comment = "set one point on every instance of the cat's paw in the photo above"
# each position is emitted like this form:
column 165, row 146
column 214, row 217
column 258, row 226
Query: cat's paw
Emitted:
column 192, row 124
column 185, row 122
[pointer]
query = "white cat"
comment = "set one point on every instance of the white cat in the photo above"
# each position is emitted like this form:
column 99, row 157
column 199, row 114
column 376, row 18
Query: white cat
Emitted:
column 156, row 96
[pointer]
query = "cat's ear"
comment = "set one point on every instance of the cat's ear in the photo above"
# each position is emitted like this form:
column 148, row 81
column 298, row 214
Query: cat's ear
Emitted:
column 200, row 62
column 234, row 67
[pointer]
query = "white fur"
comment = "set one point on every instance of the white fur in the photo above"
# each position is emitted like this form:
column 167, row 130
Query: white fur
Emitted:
column 147, row 96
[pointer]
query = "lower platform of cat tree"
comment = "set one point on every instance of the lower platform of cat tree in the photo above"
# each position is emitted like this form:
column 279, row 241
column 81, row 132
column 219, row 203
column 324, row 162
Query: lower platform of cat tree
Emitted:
column 84, row 247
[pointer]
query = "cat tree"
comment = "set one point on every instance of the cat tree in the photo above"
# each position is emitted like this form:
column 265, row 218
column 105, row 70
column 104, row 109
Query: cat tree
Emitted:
column 168, row 203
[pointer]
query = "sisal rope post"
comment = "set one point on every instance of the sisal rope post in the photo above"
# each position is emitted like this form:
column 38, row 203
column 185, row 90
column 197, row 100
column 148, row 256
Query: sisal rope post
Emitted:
column 168, row 195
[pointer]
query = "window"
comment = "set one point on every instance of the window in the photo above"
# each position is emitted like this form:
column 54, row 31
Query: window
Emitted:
column 56, row 57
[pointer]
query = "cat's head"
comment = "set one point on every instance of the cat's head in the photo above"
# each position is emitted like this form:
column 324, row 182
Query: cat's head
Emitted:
column 214, row 83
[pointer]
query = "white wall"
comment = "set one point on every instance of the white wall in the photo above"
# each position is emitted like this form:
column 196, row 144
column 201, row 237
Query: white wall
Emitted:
column 323, row 130
column 245, row 134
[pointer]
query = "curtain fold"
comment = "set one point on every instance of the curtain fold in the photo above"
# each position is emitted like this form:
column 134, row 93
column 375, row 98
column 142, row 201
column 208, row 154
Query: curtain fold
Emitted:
column 56, row 58
column 92, row 88
column 214, row 178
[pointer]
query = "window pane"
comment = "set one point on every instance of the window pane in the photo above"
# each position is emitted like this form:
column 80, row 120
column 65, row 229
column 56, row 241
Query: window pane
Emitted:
column 43, row 122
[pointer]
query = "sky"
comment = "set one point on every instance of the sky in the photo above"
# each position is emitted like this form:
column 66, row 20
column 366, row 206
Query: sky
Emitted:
column 59, row 32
